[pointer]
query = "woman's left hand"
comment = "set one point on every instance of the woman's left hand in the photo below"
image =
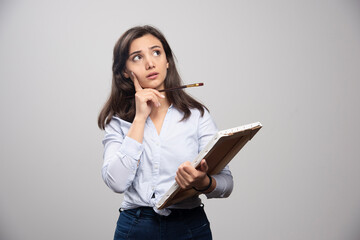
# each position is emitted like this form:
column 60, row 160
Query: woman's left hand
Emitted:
column 187, row 176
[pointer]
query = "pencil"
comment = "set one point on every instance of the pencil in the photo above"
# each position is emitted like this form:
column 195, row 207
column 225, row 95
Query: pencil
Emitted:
column 181, row 87
column 177, row 88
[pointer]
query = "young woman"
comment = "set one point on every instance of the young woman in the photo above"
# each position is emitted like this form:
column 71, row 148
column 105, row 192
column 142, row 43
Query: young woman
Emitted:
column 150, row 139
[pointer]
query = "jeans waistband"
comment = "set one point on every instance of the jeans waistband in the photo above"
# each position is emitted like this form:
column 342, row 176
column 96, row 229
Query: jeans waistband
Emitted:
column 149, row 212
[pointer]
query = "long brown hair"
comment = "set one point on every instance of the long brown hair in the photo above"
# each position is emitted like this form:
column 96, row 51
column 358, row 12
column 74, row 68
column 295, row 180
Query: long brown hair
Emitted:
column 121, row 102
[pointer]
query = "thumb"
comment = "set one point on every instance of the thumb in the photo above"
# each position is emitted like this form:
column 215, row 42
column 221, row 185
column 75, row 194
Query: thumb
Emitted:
column 203, row 166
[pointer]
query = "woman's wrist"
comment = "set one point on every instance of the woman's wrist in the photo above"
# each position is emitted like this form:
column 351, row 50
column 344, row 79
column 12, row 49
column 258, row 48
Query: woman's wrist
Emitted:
column 207, row 186
column 139, row 118
column 136, row 130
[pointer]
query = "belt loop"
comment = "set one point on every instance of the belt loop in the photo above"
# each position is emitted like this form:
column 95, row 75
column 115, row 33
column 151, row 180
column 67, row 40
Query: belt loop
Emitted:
column 138, row 212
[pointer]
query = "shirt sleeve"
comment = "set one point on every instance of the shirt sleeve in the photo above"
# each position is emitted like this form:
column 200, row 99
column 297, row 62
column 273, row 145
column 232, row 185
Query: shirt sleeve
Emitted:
column 121, row 157
column 224, row 184
column 224, row 179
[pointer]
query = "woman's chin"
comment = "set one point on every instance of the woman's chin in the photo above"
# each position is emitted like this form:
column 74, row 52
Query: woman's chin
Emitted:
column 154, row 86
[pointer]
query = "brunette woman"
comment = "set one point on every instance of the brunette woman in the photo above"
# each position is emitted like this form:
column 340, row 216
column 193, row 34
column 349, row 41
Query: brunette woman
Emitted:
column 150, row 139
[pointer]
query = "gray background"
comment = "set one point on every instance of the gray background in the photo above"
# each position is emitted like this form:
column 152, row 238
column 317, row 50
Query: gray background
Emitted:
column 292, row 65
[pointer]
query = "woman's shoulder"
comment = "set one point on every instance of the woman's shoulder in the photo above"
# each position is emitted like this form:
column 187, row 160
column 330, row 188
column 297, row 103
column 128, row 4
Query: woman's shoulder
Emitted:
column 199, row 118
column 195, row 113
column 116, row 123
column 205, row 114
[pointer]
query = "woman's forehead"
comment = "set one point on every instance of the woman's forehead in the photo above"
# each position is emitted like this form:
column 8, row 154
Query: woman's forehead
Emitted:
column 144, row 43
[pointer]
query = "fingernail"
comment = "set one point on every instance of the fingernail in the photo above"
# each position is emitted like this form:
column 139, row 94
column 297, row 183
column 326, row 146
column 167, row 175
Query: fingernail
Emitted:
column 162, row 96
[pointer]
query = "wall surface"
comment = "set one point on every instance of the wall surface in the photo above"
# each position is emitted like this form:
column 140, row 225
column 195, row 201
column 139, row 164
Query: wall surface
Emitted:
column 292, row 65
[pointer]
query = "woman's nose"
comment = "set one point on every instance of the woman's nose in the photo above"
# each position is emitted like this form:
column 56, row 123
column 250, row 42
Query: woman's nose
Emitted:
column 149, row 63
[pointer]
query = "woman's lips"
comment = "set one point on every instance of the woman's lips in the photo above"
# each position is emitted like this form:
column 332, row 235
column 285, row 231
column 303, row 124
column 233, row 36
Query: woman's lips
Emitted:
column 152, row 75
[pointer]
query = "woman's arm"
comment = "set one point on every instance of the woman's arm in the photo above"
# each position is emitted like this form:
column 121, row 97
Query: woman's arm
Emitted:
column 187, row 176
column 221, row 184
column 145, row 100
column 223, row 180
column 224, row 184
column 121, row 157
column 122, row 153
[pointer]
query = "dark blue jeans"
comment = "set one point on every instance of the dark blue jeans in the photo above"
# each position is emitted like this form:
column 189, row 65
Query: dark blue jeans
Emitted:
column 143, row 223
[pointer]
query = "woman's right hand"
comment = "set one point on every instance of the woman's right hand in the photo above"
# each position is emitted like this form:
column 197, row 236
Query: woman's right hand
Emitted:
column 145, row 99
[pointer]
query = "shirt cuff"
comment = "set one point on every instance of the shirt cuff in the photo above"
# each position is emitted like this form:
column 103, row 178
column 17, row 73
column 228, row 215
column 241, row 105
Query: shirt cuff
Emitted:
column 132, row 148
column 220, row 187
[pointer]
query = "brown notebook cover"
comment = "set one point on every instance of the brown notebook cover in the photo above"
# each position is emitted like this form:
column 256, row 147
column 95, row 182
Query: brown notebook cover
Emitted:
column 218, row 153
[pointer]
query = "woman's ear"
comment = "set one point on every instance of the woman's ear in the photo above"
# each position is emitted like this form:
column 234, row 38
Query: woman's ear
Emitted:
column 167, row 65
column 124, row 72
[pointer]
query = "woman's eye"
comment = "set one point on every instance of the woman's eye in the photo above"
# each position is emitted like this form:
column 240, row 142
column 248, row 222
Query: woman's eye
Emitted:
column 136, row 58
column 156, row 53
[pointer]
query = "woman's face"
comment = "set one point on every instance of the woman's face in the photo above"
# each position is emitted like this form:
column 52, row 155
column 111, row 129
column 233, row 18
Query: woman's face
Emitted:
column 147, row 60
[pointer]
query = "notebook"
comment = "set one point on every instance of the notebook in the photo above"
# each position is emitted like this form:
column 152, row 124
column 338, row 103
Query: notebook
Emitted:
column 220, row 150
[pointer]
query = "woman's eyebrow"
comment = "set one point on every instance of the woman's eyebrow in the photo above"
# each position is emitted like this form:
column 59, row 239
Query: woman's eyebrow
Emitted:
column 136, row 52
column 156, row 46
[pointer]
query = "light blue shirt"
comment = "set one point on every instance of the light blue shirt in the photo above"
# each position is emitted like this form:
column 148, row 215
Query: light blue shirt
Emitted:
column 145, row 171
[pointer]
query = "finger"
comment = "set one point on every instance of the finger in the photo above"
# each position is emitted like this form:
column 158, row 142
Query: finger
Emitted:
column 183, row 175
column 146, row 95
column 188, row 170
column 189, row 178
column 180, row 181
column 155, row 101
column 153, row 98
column 157, row 93
column 203, row 166
column 136, row 82
column 185, row 164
